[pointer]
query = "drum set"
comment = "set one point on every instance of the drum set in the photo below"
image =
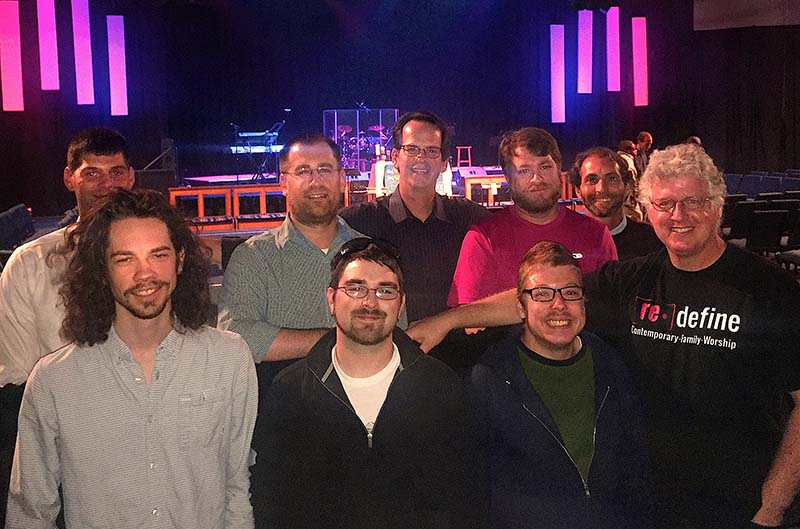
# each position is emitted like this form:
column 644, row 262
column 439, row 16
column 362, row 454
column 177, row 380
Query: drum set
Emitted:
column 369, row 145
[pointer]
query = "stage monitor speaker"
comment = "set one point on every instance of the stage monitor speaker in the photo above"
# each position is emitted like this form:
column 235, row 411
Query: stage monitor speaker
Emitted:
column 158, row 179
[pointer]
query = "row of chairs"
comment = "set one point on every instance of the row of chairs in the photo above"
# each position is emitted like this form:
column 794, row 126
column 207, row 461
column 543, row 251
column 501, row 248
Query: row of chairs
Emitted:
column 769, row 226
column 756, row 182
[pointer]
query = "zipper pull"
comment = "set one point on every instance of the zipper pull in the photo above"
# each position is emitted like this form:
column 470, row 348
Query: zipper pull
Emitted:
column 370, row 426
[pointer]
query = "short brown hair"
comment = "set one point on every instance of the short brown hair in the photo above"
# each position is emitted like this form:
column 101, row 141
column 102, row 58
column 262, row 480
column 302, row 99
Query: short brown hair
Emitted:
column 425, row 117
column 309, row 138
column 544, row 253
column 574, row 172
column 376, row 251
column 537, row 141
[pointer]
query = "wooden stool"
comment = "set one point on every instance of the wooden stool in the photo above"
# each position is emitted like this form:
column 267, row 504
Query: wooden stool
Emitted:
column 466, row 161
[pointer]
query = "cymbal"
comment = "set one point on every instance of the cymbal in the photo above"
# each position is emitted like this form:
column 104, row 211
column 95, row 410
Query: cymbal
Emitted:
column 376, row 128
column 344, row 128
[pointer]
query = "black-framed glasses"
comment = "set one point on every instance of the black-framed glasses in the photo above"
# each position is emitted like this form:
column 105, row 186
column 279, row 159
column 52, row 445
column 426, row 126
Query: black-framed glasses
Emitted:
column 667, row 205
column 356, row 291
column 545, row 294
column 427, row 152
column 323, row 172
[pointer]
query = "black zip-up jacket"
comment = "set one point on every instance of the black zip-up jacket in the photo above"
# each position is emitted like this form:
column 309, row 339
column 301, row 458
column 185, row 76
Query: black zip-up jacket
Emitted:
column 523, row 474
column 322, row 468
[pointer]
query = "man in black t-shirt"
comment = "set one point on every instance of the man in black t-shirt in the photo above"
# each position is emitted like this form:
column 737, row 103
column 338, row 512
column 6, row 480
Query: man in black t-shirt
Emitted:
column 601, row 179
column 712, row 336
column 711, row 333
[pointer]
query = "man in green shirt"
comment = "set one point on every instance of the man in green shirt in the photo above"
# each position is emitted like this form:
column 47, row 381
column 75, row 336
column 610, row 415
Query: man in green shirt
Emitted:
column 555, row 421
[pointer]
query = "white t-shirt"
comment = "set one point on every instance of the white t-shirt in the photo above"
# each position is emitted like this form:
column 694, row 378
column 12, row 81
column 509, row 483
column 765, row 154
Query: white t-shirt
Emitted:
column 367, row 394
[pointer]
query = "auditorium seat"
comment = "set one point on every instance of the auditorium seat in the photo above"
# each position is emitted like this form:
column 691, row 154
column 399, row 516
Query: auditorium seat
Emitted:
column 791, row 184
column 792, row 205
column 750, row 185
column 765, row 232
column 732, row 181
column 742, row 217
column 727, row 208
column 771, row 184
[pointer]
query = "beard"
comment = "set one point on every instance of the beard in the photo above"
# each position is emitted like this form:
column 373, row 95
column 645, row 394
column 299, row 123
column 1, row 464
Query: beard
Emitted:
column 144, row 310
column 371, row 334
column 315, row 213
column 535, row 205
column 611, row 209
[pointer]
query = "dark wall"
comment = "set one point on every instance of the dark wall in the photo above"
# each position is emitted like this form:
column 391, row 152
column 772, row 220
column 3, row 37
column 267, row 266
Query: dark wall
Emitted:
column 194, row 68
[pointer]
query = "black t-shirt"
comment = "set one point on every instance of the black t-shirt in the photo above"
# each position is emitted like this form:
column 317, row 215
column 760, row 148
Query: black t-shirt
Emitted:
column 715, row 353
column 636, row 240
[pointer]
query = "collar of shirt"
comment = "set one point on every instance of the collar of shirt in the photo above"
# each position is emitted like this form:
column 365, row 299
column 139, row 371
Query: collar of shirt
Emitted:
column 619, row 228
column 287, row 232
column 167, row 349
column 399, row 212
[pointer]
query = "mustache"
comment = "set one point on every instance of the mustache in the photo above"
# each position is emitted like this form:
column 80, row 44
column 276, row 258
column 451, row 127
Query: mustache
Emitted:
column 369, row 312
column 143, row 286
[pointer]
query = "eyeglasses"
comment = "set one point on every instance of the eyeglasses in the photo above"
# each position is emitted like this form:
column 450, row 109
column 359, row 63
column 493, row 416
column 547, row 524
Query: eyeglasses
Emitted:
column 545, row 294
column 427, row 152
column 667, row 205
column 305, row 173
column 360, row 292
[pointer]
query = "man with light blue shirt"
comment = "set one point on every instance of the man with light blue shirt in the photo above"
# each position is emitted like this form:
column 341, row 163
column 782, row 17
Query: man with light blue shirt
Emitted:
column 273, row 293
column 146, row 418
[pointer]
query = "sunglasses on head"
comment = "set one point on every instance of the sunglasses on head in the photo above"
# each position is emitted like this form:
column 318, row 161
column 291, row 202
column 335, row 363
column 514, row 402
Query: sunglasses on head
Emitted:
column 361, row 243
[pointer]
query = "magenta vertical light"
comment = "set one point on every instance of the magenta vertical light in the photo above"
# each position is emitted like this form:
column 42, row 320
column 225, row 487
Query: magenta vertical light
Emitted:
column 82, row 39
column 10, row 57
column 117, row 73
column 639, row 31
column 585, row 20
column 612, row 50
column 48, row 45
column 557, row 104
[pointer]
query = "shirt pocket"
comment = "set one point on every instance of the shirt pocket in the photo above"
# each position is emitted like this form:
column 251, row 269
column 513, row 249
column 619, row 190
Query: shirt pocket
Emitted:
column 202, row 418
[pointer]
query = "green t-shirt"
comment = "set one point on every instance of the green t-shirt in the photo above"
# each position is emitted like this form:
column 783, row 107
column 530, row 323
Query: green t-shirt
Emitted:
column 567, row 389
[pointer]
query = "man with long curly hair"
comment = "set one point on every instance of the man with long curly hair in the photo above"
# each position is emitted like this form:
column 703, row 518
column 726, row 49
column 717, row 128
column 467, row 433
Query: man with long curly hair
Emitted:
column 148, row 413
column 31, row 312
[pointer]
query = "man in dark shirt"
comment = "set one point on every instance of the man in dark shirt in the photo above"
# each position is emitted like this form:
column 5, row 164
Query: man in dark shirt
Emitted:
column 644, row 142
column 366, row 431
column 601, row 177
column 555, row 423
column 426, row 227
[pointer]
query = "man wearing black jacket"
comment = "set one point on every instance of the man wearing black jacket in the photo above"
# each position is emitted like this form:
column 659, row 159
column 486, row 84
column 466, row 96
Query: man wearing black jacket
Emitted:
column 555, row 422
column 366, row 431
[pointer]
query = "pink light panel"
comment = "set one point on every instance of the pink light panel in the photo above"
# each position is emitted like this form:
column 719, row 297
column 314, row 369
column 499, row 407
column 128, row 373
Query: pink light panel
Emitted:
column 82, row 39
column 117, row 73
column 639, row 31
column 585, row 51
column 48, row 46
column 10, row 57
column 557, row 101
column 612, row 50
